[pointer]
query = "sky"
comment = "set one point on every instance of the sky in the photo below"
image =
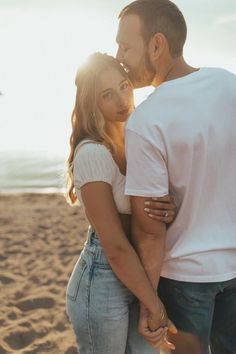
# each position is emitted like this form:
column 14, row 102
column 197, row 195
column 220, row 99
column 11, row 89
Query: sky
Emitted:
column 43, row 42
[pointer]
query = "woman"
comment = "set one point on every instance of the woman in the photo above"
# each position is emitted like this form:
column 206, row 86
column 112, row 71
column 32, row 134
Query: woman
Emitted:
column 108, row 277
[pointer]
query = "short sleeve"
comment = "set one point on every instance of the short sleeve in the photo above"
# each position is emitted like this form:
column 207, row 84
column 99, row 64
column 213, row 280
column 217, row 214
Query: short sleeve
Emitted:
column 147, row 174
column 93, row 163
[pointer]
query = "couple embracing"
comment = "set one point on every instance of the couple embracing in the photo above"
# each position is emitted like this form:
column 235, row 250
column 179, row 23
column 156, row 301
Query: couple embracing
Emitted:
column 158, row 269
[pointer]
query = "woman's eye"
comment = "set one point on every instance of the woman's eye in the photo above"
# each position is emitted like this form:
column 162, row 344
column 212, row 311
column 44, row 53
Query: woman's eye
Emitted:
column 125, row 86
column 107, row 95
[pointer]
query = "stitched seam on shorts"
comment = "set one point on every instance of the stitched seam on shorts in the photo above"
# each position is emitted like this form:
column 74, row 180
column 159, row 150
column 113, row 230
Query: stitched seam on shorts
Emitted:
column 88, row 303
column 74, row 297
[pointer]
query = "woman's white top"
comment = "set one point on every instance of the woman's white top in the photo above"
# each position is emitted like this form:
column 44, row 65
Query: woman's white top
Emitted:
column 93, row 162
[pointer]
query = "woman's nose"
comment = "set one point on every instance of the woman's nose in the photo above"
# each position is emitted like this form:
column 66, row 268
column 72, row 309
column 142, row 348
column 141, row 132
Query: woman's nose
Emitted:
column 122, row 100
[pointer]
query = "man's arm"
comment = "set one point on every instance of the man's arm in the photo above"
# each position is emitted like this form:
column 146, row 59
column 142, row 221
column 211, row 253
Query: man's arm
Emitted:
column 148, row 237
column 147, row 176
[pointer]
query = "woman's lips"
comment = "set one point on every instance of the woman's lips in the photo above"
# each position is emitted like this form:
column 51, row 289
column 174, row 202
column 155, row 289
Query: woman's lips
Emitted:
column 124, row 111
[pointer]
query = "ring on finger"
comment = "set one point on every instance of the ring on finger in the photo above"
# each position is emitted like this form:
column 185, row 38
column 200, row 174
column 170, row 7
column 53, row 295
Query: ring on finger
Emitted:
column 165, row 213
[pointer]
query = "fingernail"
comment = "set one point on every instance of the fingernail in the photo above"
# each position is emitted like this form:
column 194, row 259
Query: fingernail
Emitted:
column 154, row 198
column 146, row 209
column 147, row 203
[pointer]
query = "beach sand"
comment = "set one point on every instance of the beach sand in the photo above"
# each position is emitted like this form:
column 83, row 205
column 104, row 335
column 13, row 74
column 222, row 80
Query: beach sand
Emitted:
column 41, row 237
column 40, row 240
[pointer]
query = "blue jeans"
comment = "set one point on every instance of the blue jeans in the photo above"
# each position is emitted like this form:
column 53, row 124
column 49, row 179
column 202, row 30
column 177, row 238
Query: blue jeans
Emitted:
column 206, row 310
column 103, row 312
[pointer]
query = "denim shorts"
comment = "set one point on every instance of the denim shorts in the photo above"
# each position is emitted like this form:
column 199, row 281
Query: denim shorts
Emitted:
column 103, row 312
column 205, row 310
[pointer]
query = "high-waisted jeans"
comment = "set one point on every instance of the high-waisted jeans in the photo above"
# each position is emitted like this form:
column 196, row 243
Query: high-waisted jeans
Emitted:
column 103, row 312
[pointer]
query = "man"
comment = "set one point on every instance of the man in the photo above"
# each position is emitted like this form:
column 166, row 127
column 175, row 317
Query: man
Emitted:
column 182, row 140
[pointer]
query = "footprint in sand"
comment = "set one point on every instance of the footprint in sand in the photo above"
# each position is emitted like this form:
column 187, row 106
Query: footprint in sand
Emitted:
column 35, row 303
column 71, row 350
column 2, row 350
column 12, row 315
column 60, row 327
column 46, row 347
column 20, row 339
column 2, row 258
column 5, row 279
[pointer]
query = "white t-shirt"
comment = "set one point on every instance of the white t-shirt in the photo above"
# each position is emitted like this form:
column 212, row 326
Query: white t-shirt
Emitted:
column 182, row 140
column 93, row 162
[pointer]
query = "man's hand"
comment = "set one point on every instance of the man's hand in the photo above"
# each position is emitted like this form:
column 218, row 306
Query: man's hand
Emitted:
column 165, row 343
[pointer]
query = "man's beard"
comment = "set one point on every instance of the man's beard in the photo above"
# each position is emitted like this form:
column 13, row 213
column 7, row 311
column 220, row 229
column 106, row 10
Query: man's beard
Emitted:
column 142, row 76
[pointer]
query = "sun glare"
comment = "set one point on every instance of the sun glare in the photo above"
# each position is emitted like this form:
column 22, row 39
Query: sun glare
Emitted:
column 37, row 75
column 41, row 50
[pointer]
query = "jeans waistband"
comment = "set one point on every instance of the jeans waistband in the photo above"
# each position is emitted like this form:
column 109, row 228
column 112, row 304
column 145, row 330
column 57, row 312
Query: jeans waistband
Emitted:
column 92, row 237
column 93, row 245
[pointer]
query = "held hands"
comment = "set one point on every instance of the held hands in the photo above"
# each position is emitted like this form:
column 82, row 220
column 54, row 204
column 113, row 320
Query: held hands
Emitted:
column 161, row 208
column 155, row 326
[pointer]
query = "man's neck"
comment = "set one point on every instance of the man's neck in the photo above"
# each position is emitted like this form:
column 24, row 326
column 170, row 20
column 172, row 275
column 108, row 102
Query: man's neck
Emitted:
column 175, row 69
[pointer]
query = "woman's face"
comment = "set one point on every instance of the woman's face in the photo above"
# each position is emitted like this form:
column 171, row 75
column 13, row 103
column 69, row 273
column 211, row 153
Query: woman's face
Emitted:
column 115, row 96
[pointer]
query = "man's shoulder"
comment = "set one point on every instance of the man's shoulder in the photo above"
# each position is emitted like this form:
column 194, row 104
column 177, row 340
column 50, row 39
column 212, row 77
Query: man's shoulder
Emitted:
column 221, row 73
column 225, row 81
column 143, row 113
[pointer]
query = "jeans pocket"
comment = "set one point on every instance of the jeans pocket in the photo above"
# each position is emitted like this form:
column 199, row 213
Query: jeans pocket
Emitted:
column 75, row 279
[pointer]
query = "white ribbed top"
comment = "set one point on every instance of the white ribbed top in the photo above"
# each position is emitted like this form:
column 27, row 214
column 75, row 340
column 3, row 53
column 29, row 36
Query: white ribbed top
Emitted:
column 93, row 162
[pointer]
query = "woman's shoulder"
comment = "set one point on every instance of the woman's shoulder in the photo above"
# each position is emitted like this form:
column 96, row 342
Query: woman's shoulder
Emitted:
column 92, row 149
column 93, row 162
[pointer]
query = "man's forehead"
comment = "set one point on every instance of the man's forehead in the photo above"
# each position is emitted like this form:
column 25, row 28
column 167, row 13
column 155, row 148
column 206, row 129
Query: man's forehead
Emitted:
column 129, row 27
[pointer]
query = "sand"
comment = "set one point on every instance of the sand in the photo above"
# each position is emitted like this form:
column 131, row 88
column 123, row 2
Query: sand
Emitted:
column 40, row 240
column 41, row 237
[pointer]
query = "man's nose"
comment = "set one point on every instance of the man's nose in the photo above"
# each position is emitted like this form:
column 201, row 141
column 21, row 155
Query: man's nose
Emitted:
column 119, row 55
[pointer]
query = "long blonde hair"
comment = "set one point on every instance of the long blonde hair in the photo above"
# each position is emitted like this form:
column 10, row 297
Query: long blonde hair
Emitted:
column 87, row 120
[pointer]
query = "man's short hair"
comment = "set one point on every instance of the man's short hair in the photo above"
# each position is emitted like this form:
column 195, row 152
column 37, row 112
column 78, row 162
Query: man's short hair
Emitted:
column 160, row 16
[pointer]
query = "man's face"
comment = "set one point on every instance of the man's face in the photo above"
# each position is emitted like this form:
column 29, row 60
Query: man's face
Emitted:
column 133, row 51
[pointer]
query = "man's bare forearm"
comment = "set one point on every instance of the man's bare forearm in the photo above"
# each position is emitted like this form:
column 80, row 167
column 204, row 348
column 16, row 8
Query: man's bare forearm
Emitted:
column 148, row 238
column 151, row 249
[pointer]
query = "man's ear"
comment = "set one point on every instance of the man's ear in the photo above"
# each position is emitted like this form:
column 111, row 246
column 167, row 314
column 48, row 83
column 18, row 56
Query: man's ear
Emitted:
column 157, row 45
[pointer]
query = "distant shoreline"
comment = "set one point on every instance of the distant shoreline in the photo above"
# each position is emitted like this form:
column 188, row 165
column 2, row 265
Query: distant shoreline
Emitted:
column 19, row 191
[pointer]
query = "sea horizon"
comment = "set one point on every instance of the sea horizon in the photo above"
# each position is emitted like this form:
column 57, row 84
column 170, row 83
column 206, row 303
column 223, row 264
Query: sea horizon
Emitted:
column 36, row 172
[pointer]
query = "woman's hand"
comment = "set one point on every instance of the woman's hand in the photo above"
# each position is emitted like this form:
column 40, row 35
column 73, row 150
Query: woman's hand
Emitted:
column 158, row 320
column 161, row 208
column 154, row 326
column 155, row 337
column 158, row 316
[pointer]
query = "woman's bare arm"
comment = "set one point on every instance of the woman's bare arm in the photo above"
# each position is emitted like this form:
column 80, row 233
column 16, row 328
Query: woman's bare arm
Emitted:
column 104, row 218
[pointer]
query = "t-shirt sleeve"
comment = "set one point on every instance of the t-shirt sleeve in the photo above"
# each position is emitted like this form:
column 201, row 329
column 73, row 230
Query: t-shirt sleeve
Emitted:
column 93, row 163
column 147, row 174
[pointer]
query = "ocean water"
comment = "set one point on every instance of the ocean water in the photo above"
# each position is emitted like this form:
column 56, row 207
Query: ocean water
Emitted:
column 31, row 172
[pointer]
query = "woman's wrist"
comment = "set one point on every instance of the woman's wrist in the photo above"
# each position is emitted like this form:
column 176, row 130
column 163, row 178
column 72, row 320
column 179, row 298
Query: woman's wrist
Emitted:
column 156, row 307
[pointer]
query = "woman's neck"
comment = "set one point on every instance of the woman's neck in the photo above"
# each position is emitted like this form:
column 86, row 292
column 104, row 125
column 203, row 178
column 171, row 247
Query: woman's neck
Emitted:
column 116, row 133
